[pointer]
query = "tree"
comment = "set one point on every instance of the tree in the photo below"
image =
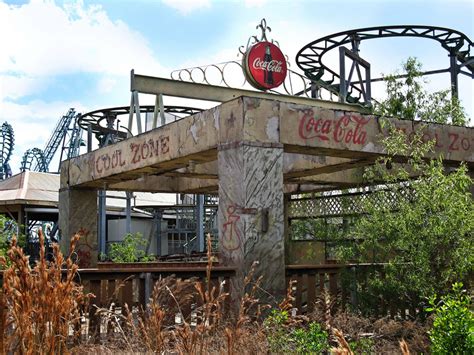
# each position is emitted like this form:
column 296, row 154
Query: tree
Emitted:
column 408, row 99
column 426, row 238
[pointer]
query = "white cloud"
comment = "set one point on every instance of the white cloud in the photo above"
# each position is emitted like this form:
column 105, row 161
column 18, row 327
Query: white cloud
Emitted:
column 33, row 123
column 45, row 39
column 255, row 3
column 185, row 7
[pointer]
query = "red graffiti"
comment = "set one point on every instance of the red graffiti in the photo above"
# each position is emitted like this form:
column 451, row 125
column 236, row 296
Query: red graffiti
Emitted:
column 105, row 161
column 141, row 151
column 347, row 129
column 83, row 249
column 231, row 239
column 457, row 142
column 148, row 149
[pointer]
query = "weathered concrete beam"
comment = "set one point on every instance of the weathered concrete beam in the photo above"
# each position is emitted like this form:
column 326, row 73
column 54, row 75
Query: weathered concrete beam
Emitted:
column 166, row 184
column 309, row 130
column 164, row 149
column 156, row 86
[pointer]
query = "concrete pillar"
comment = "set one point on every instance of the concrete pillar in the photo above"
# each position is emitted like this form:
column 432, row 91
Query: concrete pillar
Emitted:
column 251, row 217
column 78, row 214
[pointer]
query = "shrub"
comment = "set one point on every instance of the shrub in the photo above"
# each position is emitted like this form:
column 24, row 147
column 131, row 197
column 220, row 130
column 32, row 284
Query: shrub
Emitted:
column 130, row 250
column 313, row 340
column 453, row 327
column 285, row 335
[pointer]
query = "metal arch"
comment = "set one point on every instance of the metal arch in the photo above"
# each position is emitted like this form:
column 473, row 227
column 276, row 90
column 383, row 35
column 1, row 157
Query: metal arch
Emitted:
column 103, row 122
column 34, row 154
column 309, row 58
column 7, row 142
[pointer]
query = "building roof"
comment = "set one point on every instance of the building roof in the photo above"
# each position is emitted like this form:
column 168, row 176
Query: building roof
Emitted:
column 42, row 189
column 30, row 187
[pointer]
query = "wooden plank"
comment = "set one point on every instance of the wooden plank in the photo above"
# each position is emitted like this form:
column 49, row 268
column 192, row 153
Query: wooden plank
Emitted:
column 94, row 316
column 299, row 292
column 127, row 294
column 311, row 291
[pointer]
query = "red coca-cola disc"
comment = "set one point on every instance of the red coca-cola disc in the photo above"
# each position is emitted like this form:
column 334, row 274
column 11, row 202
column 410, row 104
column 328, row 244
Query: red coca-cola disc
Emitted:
column 264, row 66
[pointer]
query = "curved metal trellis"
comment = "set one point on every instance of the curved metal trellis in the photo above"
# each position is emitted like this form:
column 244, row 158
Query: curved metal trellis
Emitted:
column 104, row 123
column 34, row 154
column 459, row 46
column 230, row 74
column 7, row 142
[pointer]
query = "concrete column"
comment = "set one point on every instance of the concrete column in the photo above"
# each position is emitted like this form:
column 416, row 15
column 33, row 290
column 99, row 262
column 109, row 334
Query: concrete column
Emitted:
column 78, row 214
column 251, row 217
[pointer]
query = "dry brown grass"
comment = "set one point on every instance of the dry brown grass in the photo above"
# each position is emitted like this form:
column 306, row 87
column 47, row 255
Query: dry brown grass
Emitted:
column 42, row 302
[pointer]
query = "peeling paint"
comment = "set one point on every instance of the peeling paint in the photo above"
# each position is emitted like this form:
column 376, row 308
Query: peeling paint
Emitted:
column 272, row 129
column 216, row 114
column 193, row 131
column 369, row 147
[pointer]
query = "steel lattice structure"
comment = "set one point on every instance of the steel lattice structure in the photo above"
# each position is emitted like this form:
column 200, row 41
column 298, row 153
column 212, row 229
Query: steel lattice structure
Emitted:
column 458, row 45
column 34, row 155
column 7, row 141
column 104, row 125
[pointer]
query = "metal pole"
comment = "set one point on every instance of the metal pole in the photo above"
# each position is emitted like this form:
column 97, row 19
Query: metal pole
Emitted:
column 342, row 75
column 128, row 213
column 89, row 138
column 200, row 222
column 453, row 70
column 162, row 109
column 158, row 218
column 102, row 221
column 130, row 115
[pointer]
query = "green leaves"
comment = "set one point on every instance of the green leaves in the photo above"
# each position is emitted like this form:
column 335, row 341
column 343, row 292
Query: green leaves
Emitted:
column 130, row 250
column 408, row 99
column 453, row 325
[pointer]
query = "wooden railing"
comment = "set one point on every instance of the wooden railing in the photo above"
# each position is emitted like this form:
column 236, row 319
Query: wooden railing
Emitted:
column 311, row 282
column 319, row 283
column 114, row 288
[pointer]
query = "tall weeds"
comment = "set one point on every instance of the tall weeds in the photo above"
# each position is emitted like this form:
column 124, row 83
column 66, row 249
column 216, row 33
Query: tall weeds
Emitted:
column 42, row 303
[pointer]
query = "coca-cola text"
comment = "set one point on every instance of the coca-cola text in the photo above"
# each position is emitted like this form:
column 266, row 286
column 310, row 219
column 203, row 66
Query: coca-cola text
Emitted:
column 348, row 128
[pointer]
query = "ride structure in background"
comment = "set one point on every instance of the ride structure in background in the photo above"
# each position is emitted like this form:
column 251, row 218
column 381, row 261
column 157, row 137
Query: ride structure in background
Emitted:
column 7, row 142
column 66, row 131
column 350, row 85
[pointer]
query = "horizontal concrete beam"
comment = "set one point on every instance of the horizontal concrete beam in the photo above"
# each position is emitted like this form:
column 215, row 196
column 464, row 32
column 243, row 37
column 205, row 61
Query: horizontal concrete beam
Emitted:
column 309, row 130
column 155, row 85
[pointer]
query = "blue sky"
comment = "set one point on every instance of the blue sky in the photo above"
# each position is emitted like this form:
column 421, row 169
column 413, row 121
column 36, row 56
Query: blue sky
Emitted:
column 60, row 54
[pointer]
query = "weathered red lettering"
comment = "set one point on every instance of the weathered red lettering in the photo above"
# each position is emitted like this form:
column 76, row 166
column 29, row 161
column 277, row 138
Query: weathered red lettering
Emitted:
column 453, row 138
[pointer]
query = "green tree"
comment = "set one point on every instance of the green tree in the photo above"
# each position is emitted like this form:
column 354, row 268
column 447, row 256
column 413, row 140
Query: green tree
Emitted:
column 426, row 236
column 408, row 99
column 453, row 325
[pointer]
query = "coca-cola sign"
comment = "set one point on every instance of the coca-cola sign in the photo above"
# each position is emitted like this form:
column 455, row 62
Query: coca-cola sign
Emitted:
column 264, row 66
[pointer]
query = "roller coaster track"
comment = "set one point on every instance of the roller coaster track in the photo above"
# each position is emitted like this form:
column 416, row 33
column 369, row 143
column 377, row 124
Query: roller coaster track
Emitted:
column 34, row 155
column 105, row 126
column 7, row 142
column 309, row 58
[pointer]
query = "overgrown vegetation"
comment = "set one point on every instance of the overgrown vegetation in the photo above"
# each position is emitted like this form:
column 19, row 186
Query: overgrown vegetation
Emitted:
column 408, row 99
column 453, row 326
column 426, row 237
column 43, row 303
column 130, row 250
column 45, row 306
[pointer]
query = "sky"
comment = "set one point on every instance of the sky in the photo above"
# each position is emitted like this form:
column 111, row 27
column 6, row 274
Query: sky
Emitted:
column 60, row 54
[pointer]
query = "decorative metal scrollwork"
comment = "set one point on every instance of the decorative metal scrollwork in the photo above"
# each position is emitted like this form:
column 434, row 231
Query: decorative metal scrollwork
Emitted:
column 263, row 37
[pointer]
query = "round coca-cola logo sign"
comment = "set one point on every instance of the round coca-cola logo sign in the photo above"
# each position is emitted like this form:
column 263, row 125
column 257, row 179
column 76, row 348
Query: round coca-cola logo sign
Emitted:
column 264, row 66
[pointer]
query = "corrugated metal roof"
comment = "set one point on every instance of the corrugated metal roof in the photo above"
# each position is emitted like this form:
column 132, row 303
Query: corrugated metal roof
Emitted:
column 30, row 187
